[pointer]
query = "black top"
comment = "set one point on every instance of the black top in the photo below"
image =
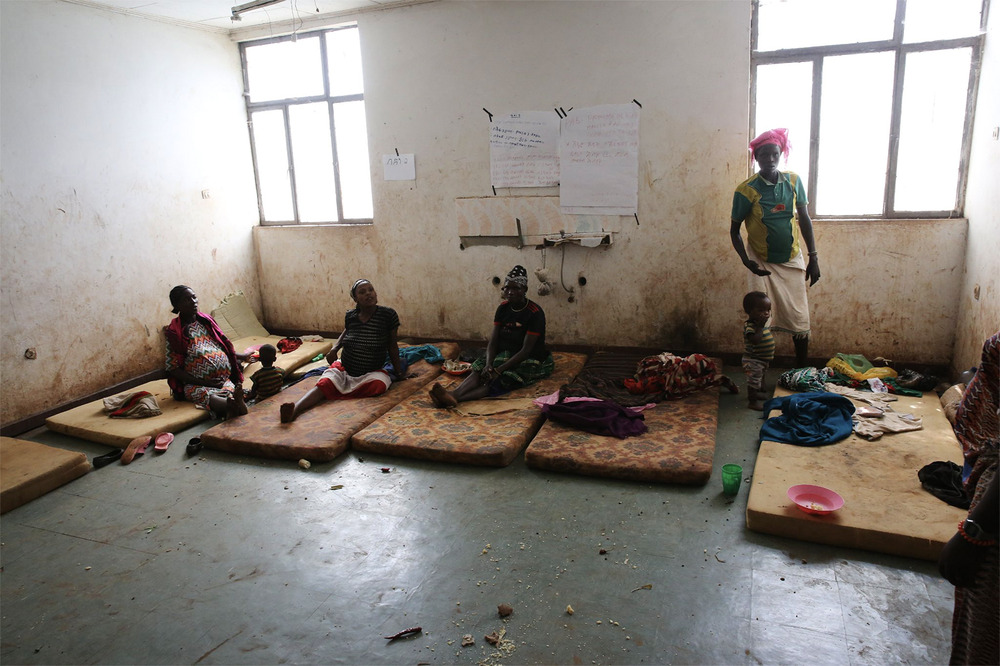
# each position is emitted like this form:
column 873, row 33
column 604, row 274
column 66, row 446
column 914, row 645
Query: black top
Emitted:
column 365, row 344
column 515, row 324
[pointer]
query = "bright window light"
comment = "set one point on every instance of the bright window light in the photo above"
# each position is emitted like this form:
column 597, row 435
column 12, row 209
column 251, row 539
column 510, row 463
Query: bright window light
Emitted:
column 272, row 161
column 931, row 129
column 317, row 199
column 783, row 100
column 789, row 24
column 284, row 70
column 305, row 98
column 355, row 169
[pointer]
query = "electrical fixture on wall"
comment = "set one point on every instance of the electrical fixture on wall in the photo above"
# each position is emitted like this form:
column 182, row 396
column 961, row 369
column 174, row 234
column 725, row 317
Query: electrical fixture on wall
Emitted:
column 254, row 4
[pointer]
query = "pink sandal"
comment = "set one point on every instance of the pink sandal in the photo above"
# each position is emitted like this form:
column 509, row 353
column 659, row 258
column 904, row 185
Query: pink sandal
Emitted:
column 162, row 441
column 135, row 449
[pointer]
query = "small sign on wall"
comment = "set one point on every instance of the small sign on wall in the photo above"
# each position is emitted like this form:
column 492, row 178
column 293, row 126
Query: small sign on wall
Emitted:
column 399, row 167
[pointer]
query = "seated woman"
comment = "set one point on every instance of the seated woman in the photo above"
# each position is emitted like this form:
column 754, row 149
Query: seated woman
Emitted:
column 368, row 341
column 516, row 355
column 202, row 366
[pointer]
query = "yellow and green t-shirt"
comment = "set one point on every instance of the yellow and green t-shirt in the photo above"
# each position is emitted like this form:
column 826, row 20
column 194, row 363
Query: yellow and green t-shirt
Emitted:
column 769, row 213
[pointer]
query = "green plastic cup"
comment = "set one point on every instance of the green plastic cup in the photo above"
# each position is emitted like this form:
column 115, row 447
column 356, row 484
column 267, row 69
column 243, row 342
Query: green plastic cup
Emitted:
column 732, row 477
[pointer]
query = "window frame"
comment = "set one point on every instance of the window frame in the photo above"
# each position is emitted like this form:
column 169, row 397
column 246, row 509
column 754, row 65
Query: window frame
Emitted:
column 816, row 55
column 284, row 105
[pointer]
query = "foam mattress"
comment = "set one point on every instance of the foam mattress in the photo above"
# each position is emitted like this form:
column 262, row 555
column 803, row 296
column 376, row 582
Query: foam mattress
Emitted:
column 29, row 470
column 417, row 429
column 322, row 433
column 885, row 508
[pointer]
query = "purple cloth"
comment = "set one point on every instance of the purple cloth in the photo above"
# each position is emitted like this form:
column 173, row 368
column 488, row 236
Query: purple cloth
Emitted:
column 601, row 417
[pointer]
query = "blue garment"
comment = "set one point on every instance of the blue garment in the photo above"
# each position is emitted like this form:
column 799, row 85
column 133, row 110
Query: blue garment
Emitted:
column 429, row 353
column 808, row 419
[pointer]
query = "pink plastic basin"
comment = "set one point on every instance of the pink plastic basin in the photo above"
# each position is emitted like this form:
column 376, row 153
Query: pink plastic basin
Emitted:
column 815, row 499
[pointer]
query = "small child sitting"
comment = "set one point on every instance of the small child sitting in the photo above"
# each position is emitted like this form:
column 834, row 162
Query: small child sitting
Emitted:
column 759, row 346
column 268, row 380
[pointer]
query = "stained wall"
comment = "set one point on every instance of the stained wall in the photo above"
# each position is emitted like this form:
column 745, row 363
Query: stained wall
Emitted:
column 112, row 127
column 670, row 280
column 979, row 297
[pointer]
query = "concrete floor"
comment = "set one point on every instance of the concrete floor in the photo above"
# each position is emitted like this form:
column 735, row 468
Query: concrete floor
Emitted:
column 220, row 559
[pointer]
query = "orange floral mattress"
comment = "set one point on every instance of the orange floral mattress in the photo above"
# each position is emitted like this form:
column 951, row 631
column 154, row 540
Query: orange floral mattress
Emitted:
column 417, row 429
column 678, row 447
column 322, row 433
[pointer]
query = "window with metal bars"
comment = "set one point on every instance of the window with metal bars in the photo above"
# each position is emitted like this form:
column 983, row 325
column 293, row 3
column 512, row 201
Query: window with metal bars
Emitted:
column 878, row 97
column 306, row 113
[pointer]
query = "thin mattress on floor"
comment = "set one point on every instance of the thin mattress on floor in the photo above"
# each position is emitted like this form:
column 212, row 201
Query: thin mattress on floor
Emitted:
column 885, row 508
column 678, row 446
column 29, row 470
column 417, row 429
column 322, row 433
column 90, row 422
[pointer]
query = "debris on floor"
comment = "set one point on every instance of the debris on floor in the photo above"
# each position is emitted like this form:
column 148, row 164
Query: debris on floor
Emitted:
column 468, row 640
column 304, row 464
column 504, row 610
column 412, row 631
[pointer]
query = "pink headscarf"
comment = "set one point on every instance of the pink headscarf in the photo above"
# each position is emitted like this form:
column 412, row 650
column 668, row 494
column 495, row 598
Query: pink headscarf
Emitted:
column 778, row 136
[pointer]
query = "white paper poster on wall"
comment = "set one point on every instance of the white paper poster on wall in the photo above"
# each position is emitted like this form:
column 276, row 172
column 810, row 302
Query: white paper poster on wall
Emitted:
column 599, row 160
column 524, row 149
column 399, row 167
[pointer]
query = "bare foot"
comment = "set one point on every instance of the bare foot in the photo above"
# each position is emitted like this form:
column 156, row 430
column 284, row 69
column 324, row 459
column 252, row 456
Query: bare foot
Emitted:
column 441, row 398
column 756, row 405
column 287, row 412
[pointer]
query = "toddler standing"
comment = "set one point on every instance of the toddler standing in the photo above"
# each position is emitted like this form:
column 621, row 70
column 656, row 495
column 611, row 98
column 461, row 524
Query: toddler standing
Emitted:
column 759, row 346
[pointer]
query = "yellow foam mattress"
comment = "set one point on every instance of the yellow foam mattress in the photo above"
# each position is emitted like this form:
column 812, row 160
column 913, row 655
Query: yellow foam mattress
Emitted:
column 885, row 508
column 29, row 470
column 89, row 421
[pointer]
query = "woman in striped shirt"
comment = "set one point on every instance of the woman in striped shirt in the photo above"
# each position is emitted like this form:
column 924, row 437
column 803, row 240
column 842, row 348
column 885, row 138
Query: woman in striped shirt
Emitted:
column 369, row 347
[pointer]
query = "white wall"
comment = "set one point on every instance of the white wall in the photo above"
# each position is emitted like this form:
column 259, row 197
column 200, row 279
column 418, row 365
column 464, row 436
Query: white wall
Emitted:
column 112, row 127
column 979, row 316
column 671, row 282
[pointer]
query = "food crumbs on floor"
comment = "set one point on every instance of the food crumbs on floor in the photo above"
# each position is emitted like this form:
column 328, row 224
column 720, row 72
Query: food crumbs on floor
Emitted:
column 504, row 610
column 468, row 640
column 569, row 610
column 337, row 487
column 305, row 464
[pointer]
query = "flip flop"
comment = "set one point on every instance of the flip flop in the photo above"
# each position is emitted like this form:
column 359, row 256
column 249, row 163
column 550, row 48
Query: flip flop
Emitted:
column 162, row 441
column 194, row 446
column 135, row 449
column 100, row 461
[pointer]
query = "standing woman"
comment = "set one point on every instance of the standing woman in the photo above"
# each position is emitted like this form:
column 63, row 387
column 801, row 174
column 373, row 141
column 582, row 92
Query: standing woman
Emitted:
column 368, row 341
column 971, row 558
column 516, row 355
column 769, row 202
column 202, row 366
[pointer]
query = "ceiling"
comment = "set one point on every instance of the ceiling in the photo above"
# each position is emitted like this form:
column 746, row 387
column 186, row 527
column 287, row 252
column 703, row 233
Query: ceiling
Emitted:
column 216, row 15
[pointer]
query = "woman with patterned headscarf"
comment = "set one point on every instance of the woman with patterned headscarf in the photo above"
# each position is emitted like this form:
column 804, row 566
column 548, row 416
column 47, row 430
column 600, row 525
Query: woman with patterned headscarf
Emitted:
column 516, row 355
column 769, row 203
column 369, row 350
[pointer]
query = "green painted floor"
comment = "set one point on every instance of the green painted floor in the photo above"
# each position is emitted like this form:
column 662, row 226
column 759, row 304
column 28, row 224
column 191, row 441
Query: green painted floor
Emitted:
column 221, row 559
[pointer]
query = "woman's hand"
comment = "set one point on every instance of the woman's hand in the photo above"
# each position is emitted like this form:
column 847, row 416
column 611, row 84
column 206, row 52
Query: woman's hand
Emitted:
column 214, row 383
column 812, row 270
column 960, row 561
column 488, row 374
column 755, row 267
